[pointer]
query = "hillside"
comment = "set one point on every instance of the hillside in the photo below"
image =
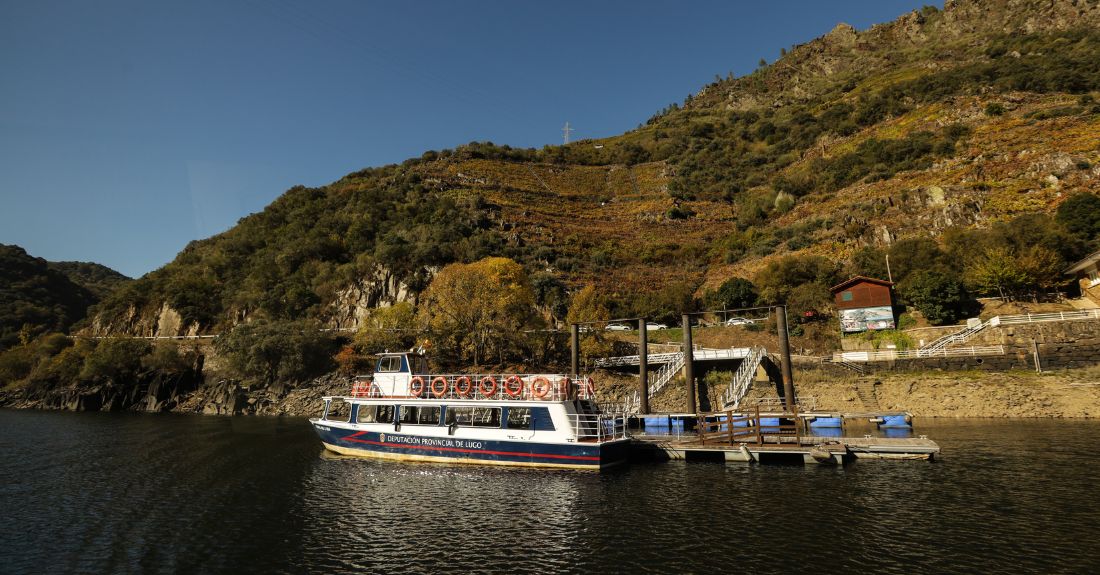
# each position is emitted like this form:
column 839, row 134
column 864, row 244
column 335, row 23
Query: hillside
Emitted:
column 35, row 298
column 96, row 278
column 935, row 125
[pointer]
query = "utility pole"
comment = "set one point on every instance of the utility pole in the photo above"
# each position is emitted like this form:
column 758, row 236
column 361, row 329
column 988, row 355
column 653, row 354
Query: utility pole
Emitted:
column 565, row 133
column 889, row 275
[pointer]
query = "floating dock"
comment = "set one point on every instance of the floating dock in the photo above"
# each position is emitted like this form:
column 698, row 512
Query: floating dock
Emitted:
column 778, row 437
column 815, row 450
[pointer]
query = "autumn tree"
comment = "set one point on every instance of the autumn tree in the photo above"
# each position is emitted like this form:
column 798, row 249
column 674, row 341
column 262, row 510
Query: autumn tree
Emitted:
column 1041, row 269
column 479, row 309
column 995, row 270
column 387, row 328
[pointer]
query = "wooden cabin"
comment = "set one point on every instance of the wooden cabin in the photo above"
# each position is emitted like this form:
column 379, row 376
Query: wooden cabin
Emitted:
column 864, row 303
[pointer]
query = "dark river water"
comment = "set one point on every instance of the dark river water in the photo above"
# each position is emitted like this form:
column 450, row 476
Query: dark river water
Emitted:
column 107, row 493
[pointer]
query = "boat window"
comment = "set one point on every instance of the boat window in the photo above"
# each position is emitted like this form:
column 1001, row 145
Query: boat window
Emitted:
column 420, row 365
column 474, row 416
column 366, row 414
column 540, row 419
column 408, row 414
column 519, row 418
column 428, row 415
column 389, row 364
column 385, row 414
column 339, row 411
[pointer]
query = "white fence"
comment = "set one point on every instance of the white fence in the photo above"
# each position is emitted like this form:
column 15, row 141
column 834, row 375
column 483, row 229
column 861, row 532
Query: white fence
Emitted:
column 857, row 356
column 1045, row 317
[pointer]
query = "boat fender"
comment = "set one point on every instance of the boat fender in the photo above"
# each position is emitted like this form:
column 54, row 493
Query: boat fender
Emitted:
column 416, row 386
column 463, row 386
column 439, row 386
column 748, row 454
column 487, row 386
column 452, row 428
column 513, row 386
column 540, row 387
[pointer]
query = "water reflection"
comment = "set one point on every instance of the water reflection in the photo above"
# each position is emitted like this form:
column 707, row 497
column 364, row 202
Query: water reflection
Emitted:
column 102, row 493
column 419, row 516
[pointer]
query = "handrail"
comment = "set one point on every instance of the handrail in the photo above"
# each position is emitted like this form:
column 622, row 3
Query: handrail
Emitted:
column 636, row 359
column 1045, row 317
column 666, row 373
column 966, row 334
column 859, row 356
column 730, row 427
column 496, row 387
column 699, row 354
column 598, row 426
column 741, row 381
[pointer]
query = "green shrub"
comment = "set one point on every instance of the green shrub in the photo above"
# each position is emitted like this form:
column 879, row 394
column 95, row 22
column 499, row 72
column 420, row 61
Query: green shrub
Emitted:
column 117, row 359
column 266, row 352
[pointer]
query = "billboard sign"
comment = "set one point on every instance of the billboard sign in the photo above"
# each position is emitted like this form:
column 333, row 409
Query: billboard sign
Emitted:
column 866, row 318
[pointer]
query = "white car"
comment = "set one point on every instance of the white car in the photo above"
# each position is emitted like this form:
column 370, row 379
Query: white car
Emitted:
column 650, row 326
column 738, row 321
column 618, row 327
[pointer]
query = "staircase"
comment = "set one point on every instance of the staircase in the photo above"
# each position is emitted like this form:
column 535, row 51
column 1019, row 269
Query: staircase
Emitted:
column 666, row 373
column 865, row 390
column 952, row 338
column 742, row 379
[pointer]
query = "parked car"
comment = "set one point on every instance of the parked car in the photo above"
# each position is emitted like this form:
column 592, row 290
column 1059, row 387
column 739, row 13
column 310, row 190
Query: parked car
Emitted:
column 618, row 327
column 650, row 326
column 738, row 321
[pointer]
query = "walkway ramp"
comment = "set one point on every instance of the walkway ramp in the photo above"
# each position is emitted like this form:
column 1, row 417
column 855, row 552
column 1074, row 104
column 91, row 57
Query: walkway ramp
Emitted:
column 742, row 379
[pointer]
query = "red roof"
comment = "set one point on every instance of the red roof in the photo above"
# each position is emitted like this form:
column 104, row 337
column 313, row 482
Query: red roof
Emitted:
column 859, row 279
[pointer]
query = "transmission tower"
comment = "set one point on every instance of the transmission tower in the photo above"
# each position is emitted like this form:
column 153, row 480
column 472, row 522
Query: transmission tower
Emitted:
column 565, row 132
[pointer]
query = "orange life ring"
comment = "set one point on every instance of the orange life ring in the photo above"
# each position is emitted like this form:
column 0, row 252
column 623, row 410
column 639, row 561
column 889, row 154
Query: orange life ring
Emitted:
column 440, row 390
column 566, row 387
column 540, row 387
column 487, row 386
column 513, row 386
column 416, row 386
column 463, row 386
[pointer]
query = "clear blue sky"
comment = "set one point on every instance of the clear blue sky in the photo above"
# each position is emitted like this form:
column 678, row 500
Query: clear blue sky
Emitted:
column 129, row 128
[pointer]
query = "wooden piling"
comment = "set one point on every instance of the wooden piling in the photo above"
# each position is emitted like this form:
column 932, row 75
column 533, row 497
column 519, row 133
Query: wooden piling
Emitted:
column 643, row 367
column 689, row 367
column 785, row 356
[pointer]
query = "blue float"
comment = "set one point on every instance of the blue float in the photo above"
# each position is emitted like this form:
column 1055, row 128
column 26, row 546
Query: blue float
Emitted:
column 896, row 422
column 827, row 422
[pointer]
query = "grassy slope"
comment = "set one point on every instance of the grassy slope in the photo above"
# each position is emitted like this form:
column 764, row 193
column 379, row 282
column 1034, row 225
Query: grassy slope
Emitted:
column 583, row 215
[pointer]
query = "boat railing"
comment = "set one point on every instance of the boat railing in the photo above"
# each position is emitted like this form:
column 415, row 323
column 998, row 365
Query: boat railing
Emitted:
column 598, row 426
column 494, row 387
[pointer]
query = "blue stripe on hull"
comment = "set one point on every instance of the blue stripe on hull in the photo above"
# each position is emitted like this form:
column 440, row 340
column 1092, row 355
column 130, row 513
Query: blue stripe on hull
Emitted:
column 471, row 450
